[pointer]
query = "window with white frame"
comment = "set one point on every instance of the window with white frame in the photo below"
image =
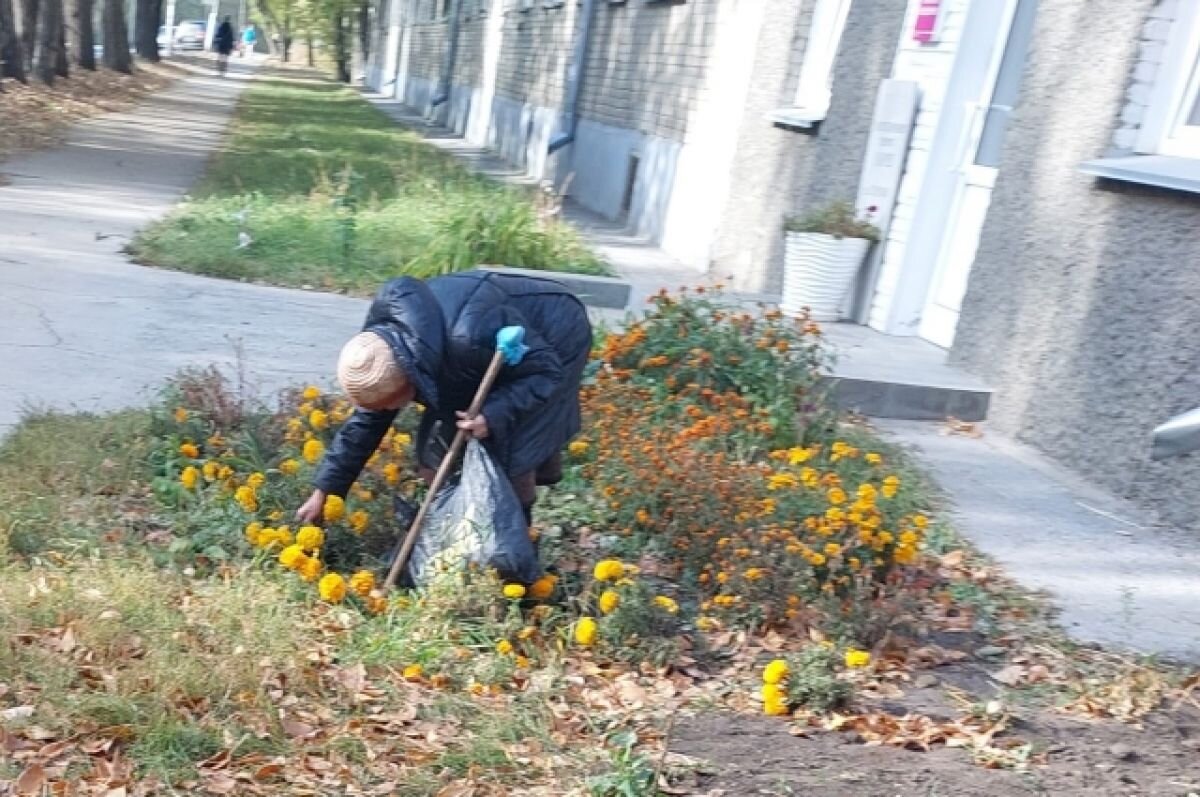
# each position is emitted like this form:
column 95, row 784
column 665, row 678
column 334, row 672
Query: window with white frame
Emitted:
column 1171, row 125
column 815, row 89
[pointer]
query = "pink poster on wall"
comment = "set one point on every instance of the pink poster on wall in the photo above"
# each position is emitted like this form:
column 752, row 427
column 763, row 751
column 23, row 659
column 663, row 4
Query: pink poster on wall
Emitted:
column 925, row 29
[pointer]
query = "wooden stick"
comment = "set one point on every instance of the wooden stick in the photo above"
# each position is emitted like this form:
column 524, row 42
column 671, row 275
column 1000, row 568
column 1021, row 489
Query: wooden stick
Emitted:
column 444, row 470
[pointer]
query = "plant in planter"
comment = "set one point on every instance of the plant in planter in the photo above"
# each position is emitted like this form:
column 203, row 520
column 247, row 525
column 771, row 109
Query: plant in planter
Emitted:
column 823, row 251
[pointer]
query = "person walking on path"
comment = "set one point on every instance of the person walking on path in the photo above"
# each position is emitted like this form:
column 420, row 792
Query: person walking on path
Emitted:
column 223, row 42
column 431, row 342
column 249, row 40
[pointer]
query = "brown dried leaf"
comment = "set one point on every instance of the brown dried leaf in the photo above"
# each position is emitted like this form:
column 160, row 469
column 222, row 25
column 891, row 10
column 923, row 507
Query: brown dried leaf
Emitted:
column 31, row 780
column 1012, row 675
column 297, row 730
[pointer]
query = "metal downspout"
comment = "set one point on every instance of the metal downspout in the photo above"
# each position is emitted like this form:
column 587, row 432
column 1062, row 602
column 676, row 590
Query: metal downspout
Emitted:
column 570, row 115
column 444, row 85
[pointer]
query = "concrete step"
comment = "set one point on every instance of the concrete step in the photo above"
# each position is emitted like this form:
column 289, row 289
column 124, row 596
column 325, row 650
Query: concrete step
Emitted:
column 903, row 378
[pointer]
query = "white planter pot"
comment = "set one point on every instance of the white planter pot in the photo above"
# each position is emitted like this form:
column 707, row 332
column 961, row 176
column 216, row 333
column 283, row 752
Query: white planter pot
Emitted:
column 818, row 271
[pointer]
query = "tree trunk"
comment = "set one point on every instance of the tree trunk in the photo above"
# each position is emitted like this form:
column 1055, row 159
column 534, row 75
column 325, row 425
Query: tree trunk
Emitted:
column 116, row 37
column 29, row 23
column 308, row 45
column 364, row 29
column 48, row 42
column 85, row 38
column 341, row 46
column 62, row 57
column 147, row 19
column 12, row 55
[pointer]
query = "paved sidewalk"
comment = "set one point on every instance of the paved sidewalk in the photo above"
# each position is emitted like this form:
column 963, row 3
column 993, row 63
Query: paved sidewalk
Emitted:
column 82, row 328
column 1117, row 578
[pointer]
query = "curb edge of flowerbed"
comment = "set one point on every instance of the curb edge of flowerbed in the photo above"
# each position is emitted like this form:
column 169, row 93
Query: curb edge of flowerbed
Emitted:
column 604, row 292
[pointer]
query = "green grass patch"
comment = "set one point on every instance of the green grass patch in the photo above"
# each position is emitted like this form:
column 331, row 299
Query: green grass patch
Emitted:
column 333, row 194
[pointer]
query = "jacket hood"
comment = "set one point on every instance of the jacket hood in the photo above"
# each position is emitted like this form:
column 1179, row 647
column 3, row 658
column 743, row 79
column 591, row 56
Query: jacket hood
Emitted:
column 406, row 315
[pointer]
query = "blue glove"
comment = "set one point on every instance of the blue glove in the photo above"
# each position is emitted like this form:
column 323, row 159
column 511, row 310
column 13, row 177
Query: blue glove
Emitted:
column 510, row 341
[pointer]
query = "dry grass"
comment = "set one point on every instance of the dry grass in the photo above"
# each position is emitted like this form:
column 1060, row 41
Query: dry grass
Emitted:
column 36, row 116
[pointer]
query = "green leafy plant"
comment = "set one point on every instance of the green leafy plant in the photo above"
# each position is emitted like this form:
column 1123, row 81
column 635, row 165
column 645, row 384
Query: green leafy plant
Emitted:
column 837, row 219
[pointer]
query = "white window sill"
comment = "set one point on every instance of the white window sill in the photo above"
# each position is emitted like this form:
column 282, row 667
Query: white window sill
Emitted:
column 796, row 117
column 1162, row 171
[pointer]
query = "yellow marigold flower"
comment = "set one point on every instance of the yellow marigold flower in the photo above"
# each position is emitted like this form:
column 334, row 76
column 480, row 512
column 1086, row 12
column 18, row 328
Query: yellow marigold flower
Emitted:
column 311, row 393
column 363, row 494
column 643, row 517
column 358, row 521
column 874, row 459
column 293, row 557
column 920, row 521
column 527, row 632
column 256, row 480
column 377, row 604
column 211, row 470
column 189, row 477
column 514, row 591
column 391, row 473
column 857, row 659
column 310, row 569
column 905, row 555
column 304, row 409
column 909, row 538
column 289, row 467
column 245, row 496
column 313, row 450
column 504, row 647
column 608, row 570
column 335, row 508
column 413, row 672
column 798, row 456
column 754, row 573
column 253, row 531
column 836, row 496
column 225, row 472
column 817, row 560
column 578, row 448
column 189, row 450
column 522, row 662
column 780, row 481
column 310, row 538
column 866, row 494
column 667, row 604
column 609, row 601
column 832, row 549
column 777, row 707
column 776, row 672
column 318, row 420
column 707, row 623
column 181, row 415
column 332, row 588
column 362, row 582
column 543, row 588
column 773, row 691
column 585, row 631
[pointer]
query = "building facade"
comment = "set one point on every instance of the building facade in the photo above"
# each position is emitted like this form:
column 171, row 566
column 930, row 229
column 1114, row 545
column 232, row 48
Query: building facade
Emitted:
column 1038, row 163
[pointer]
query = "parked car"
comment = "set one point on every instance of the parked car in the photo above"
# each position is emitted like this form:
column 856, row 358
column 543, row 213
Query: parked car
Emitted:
column 189, row 35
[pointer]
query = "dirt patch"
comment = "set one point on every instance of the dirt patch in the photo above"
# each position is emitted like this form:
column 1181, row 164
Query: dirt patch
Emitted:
column 36, row 116
column 745, row 754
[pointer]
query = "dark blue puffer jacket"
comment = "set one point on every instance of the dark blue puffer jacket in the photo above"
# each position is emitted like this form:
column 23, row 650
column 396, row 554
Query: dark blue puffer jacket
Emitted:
column 442, row 332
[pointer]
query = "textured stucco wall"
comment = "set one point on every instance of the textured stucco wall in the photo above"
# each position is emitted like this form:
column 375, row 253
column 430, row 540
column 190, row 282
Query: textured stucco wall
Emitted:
column 778, row 171
column 1083, row 308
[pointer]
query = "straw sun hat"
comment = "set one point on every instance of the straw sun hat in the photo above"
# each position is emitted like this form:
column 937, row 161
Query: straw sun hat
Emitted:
column 367, row 369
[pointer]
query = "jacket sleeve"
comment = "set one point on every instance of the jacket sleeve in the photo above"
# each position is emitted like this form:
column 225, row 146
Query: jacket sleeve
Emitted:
column 522, row 389
column 352, row 446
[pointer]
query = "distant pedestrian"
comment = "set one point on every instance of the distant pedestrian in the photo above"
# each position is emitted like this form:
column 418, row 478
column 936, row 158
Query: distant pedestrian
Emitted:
column 249, row 40
column 223, row 42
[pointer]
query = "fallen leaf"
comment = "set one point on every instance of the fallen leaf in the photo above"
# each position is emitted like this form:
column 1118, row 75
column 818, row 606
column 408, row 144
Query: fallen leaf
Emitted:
column 267, row 771
column 298, row 730
column 1012, row 675
column 52, row 751
column 31, row 780
column 17, row 713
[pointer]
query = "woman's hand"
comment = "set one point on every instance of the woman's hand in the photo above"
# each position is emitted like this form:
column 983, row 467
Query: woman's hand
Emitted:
column 477, row 426
column 312, row 509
